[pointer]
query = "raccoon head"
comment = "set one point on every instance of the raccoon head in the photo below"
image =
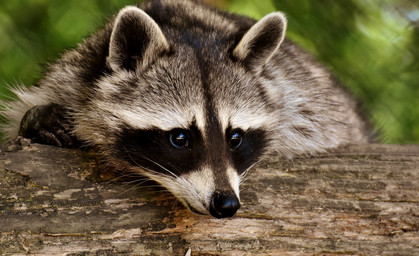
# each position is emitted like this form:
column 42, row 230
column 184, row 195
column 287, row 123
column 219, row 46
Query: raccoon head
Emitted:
column 183, row 110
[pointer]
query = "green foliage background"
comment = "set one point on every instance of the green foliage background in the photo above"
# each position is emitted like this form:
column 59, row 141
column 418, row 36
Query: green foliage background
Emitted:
column 371, row 46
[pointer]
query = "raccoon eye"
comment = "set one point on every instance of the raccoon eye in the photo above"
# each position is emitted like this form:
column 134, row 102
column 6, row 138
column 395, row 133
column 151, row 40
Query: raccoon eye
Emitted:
column 236, row 138
column 179, row 139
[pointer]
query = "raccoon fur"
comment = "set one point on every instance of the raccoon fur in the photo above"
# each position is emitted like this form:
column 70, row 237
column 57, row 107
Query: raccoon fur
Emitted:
column 190, row 97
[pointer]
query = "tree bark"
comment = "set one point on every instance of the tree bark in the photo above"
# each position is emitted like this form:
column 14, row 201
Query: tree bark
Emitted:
column 358, row 200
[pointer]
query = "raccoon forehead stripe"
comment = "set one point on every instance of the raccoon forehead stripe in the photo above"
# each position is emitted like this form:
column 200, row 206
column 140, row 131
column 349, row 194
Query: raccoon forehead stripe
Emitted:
column 142, row 113
column 162, row 118
column 243, row 118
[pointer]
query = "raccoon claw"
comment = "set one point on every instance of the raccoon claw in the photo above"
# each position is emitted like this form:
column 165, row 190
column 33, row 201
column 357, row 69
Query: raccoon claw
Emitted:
column 54, row 139
column 65, row 137
column 46, row 124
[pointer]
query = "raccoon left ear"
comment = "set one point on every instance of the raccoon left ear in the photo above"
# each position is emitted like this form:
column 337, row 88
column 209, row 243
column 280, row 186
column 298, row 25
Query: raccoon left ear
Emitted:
column 262, row 40
column 136, row 40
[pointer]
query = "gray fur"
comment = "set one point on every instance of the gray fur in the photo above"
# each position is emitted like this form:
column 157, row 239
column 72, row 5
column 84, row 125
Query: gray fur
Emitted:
column 196, row 66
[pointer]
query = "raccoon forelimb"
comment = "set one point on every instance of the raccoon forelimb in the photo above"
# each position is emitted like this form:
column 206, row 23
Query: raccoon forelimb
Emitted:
column 46, row 124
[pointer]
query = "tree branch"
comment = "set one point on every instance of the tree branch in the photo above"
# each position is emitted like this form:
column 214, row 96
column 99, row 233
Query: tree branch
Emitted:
column 359, row 200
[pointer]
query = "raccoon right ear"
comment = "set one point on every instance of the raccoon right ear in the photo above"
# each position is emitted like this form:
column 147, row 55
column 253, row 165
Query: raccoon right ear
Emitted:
column 136, row 40
column 262, row 40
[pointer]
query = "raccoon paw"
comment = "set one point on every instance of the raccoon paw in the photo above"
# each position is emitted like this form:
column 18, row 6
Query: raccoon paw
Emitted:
column 47, row 124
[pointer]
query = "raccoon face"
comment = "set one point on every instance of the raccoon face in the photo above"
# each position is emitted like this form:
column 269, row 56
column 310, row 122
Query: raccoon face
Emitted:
column 186, row 116
column 204, row 175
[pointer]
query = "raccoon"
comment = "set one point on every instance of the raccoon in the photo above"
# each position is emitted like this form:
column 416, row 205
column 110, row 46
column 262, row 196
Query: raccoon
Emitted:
column 190, row 97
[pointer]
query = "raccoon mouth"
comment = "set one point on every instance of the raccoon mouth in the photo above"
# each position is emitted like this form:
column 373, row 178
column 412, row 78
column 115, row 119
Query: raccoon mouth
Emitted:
column 195, row 210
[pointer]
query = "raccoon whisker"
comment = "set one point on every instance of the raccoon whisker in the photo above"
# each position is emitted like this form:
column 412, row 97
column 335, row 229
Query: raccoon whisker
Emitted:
column 148, row 159
column 132, row 159
column 135, row 185
column 149, row 190
column 143, row 180
column 131, row 188
column 167, row 183
column 122, row 175
column 162, row 167
column 243, row 180
column 161, row 175
column 243, row 175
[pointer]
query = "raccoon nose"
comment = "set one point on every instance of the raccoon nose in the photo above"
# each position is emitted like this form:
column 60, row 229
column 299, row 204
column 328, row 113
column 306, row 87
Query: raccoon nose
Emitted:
column 224, row 205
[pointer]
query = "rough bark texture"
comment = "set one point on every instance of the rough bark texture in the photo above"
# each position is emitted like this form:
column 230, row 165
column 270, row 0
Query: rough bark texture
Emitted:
column 360, row 200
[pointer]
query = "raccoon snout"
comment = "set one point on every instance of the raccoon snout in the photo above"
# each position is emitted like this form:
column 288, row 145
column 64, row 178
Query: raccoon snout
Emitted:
column 224, row 205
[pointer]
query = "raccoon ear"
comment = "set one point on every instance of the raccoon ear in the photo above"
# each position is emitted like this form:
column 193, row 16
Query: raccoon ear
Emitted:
column 136, row 40
column 262, row 40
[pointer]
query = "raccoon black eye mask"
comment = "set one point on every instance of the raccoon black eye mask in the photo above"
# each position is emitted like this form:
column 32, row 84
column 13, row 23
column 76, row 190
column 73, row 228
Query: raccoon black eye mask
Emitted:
column 190, row 97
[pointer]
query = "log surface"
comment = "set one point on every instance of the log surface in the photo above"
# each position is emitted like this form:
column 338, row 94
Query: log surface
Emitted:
column 359, row 200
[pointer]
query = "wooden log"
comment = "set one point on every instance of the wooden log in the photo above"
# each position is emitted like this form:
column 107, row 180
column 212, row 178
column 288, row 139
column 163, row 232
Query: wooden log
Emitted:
column 359, row 200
